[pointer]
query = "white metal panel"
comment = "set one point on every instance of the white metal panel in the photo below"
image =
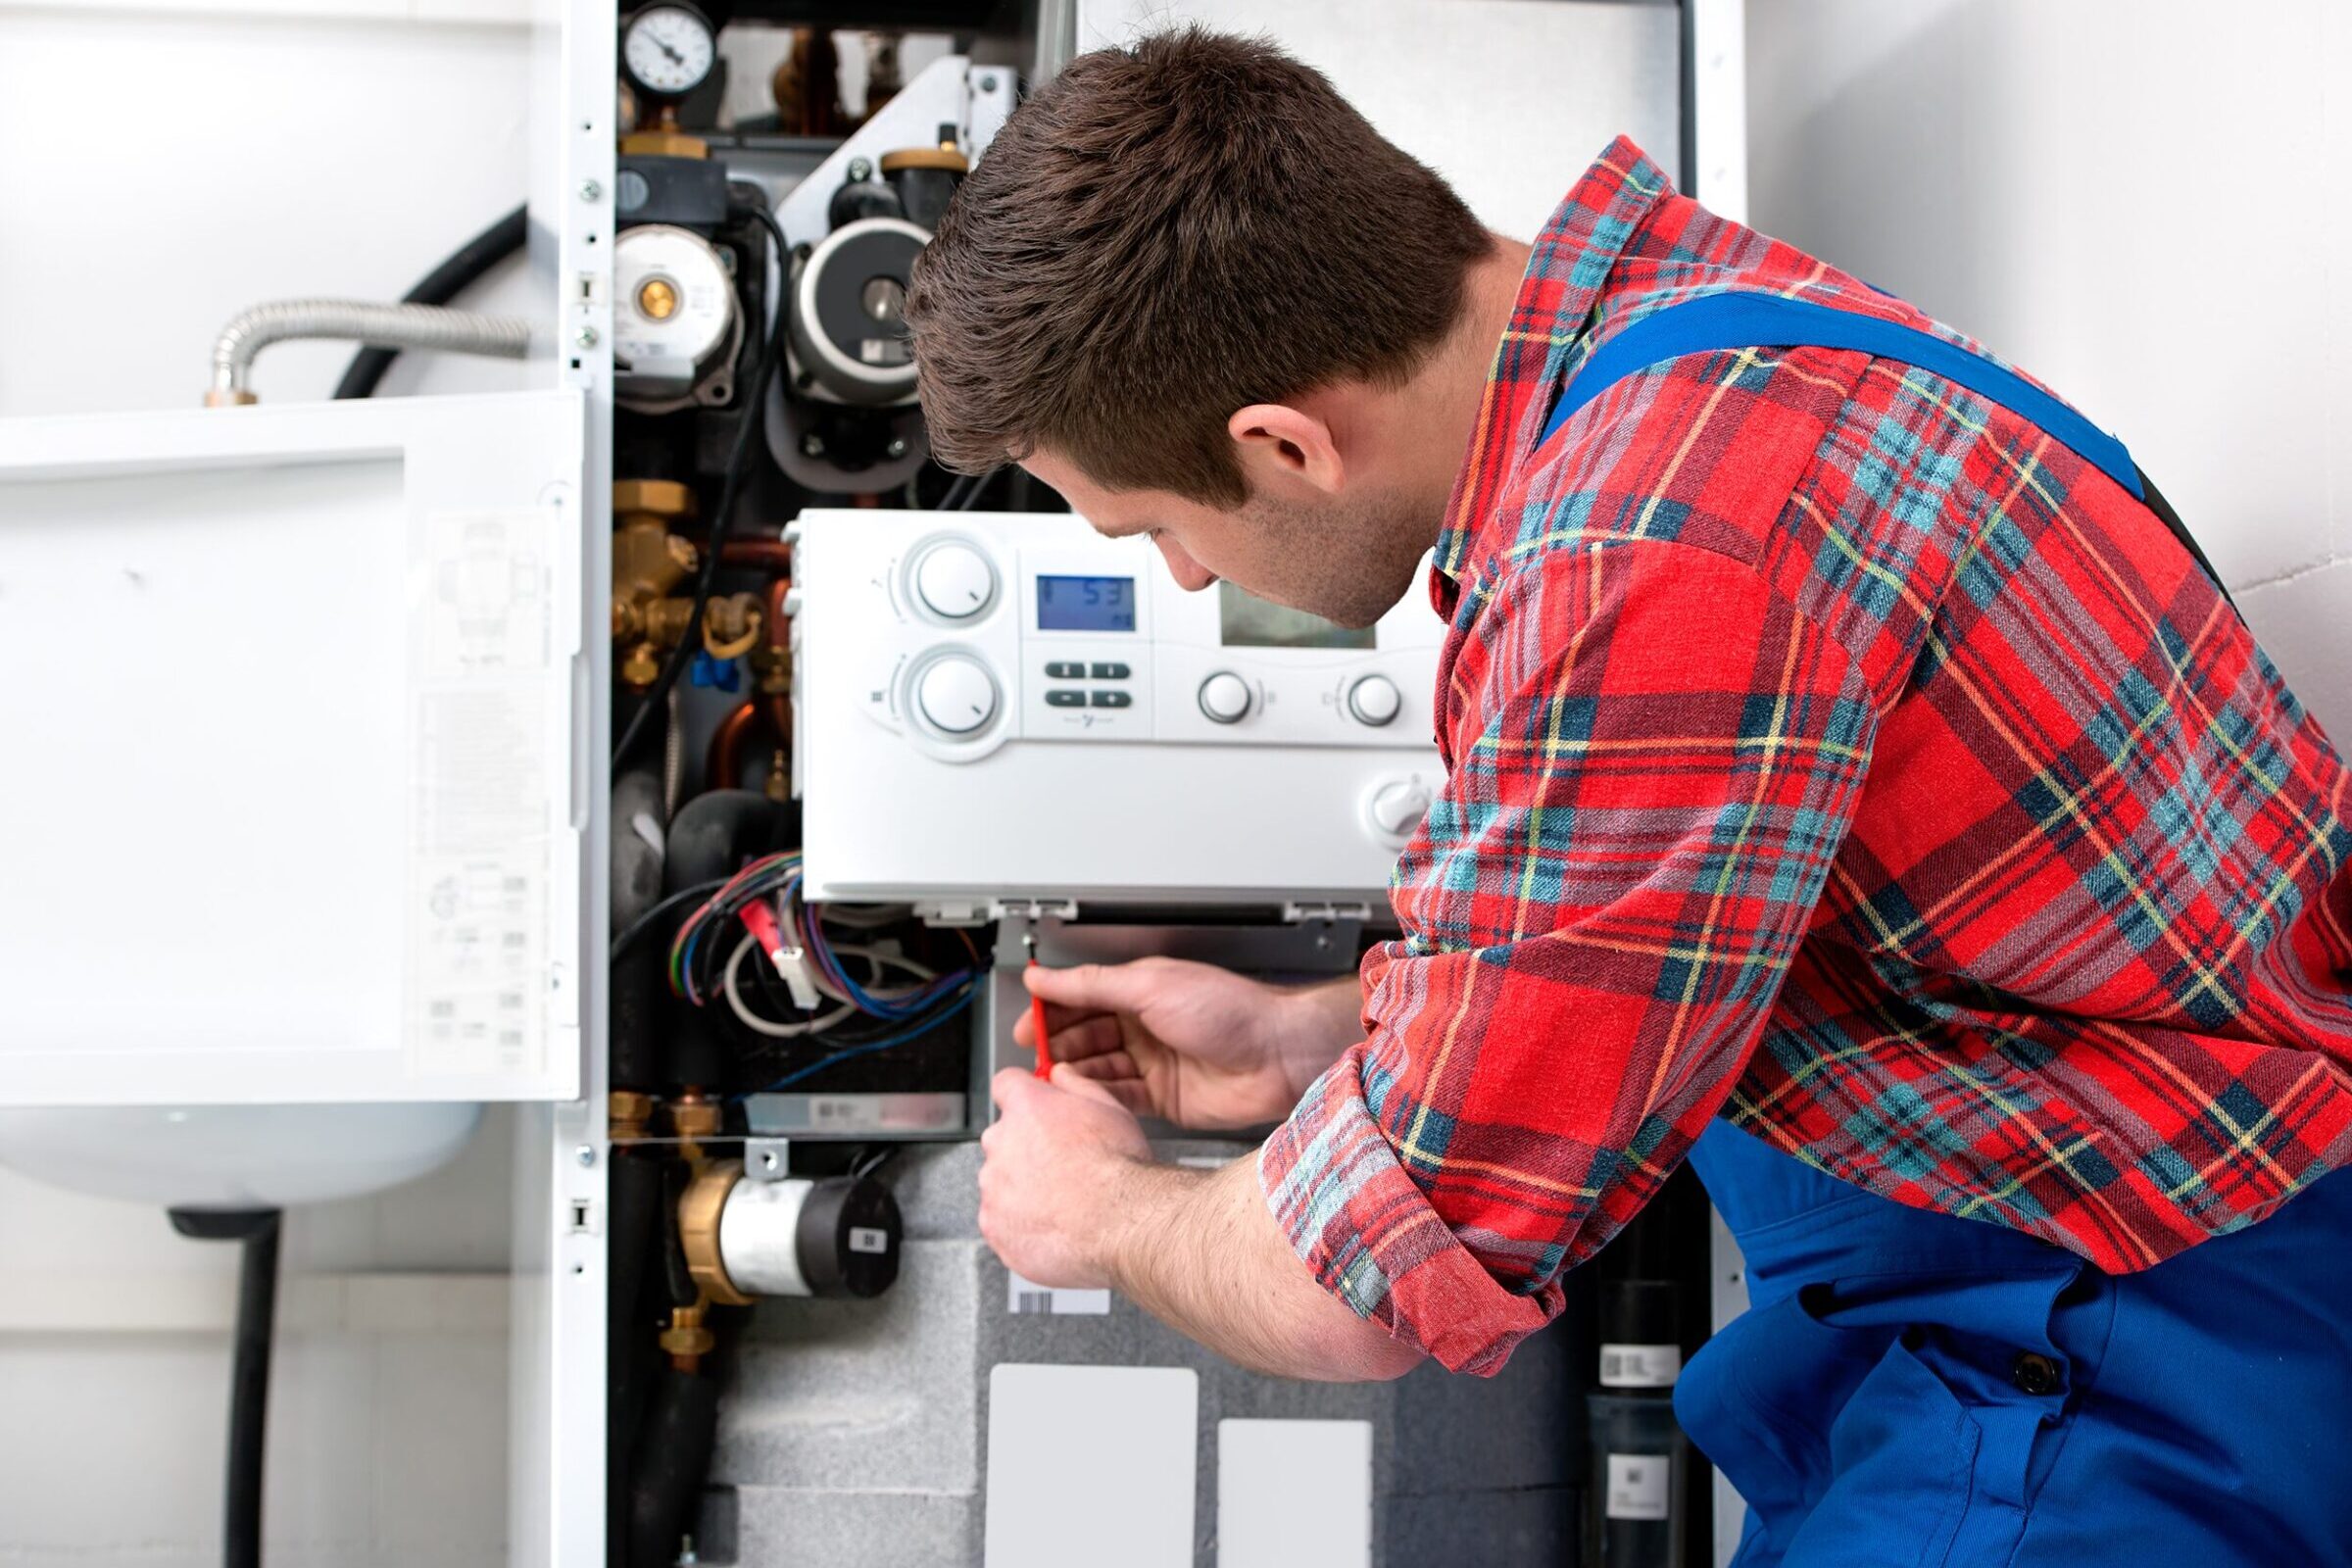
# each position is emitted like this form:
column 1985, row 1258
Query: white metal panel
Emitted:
column 1090, row 1466
column 303, row 826
column 1294, row 1494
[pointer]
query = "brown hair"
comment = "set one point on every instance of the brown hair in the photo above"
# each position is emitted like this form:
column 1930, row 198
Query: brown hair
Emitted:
column 1161, row 235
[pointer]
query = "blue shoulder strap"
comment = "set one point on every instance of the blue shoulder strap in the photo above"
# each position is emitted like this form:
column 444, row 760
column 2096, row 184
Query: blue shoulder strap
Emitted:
column 1713, row 322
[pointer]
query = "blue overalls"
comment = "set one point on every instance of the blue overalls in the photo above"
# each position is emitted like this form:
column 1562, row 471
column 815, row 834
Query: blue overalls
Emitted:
column 1910, row 1389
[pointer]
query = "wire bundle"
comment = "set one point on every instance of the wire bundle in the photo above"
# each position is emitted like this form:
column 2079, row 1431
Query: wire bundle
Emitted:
column 763, row 900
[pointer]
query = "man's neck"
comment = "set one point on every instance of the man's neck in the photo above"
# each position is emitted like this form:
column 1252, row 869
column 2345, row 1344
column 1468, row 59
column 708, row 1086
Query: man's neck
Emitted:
column 1452, row 385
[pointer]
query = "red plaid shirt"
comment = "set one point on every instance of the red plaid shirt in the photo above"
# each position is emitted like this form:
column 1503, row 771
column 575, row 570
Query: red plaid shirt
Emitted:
column 1833, row 752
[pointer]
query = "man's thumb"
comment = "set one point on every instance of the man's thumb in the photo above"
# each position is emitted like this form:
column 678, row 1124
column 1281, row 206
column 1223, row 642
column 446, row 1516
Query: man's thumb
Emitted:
column 1084, row 986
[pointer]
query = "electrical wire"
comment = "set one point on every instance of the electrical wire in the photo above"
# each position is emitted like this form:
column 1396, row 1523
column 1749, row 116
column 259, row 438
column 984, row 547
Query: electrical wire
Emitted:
column 636, row 929
column 868, row 1048
column 722, row 519
column 769, row 1027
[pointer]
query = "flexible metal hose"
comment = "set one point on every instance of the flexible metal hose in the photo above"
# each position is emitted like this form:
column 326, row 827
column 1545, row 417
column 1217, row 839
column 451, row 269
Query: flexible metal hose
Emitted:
column 430, row 327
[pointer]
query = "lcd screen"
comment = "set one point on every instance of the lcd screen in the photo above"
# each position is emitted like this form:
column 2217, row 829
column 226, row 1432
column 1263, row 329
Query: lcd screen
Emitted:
column 1086, row 604
column 1248, row 621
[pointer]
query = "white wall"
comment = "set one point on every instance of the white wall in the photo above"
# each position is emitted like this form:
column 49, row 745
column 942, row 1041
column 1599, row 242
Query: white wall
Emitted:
column 167, row 164
column 2148, row 202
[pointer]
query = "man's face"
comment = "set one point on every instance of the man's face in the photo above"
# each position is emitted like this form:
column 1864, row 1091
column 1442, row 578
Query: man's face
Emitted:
column 1347, row 558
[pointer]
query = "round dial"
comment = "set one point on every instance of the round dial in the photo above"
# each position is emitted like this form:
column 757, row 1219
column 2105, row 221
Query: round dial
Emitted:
column 1374, row 700
column 1225, row 697
column 667, row 50
column 955, row 581
column 955, row 695
column 1393, row 807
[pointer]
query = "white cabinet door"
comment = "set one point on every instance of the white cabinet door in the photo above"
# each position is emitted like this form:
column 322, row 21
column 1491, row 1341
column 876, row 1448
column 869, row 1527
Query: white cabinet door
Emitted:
column 293, row 765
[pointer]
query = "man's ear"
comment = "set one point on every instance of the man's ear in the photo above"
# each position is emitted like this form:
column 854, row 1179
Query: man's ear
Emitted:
column 1277, row 442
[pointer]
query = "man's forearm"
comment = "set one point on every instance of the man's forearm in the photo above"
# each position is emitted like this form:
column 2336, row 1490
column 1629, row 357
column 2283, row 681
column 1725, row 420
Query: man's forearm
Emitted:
column 1199, row 1250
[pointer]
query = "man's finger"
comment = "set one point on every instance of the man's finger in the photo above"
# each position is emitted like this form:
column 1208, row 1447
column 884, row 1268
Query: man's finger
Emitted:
column 1107, row 1068
column 1072, row 1082
column 1097, row 1037
column 1090, row 987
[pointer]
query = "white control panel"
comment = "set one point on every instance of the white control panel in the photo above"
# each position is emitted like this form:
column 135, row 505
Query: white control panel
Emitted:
column 1011, row 706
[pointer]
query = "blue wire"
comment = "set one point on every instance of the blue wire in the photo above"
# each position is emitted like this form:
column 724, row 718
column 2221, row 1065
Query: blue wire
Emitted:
column 871, row 1045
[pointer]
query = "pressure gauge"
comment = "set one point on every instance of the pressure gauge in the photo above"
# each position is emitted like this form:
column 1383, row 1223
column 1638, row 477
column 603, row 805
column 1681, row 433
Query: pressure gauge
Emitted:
column 667, row 50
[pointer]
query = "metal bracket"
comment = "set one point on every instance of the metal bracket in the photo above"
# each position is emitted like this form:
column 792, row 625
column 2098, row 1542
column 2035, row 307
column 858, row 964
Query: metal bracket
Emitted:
column 988, row 911
column 767, row 1159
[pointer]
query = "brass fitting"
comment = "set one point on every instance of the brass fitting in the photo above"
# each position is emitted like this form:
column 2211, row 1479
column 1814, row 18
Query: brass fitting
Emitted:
column 699, row 1209
column 626, row 1113
column 687, row 1340
column 731, row 626
column 696, row 1119
column 777, row 786
column 649, row 560
column 771, row 669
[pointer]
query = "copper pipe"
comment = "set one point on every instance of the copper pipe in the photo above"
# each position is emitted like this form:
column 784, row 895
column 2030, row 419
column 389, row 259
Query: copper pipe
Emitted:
column 724, row 767
column 776, row 591
column 773, row 554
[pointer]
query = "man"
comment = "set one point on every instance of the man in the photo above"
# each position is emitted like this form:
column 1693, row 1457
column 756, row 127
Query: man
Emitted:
column 1853, row 787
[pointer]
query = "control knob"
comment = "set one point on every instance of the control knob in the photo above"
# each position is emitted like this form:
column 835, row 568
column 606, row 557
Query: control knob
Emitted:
column 1225, row 698
column 1393, row 807
column 955, row 695
column 1374, row 700
column 955, row 581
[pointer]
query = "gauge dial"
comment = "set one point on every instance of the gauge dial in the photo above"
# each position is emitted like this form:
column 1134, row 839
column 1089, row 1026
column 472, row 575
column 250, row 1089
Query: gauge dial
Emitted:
column 669, row 50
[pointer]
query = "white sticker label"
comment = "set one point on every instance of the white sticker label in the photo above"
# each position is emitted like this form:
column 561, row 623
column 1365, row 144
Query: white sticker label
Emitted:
column 1025, row 1297
column 867, row 1239
column 1639, row 1366
column 478, row 783
column 1639, row 1486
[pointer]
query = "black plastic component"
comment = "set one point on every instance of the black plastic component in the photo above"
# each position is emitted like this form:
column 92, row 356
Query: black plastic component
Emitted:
column 248, row 1368
column 863, row 198
column 439, row 286
column 848, row 1238
column 667, row 1472
column 690, row 192
column 1639, row 1312
column 843, row 315
column 924, row 193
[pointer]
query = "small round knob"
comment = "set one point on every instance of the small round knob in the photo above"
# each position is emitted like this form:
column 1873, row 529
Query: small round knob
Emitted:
column 955, row 695
column 1374, row 700
column 1395, row 808
column 1225, row 698
column 955, row 581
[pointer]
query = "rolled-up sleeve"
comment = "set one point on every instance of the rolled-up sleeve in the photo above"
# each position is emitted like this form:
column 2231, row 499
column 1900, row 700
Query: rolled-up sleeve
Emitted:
column 1655, row 759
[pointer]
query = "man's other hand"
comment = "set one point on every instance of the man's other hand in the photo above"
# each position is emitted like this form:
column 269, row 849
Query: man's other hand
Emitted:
column 1199, row 1045
column 1049, row 1176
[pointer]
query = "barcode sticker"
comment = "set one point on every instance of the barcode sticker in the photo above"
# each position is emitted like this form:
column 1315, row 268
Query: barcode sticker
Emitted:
column 867, row 1239
column 1027, row 1298
column 1639, row 1486
column 1639, row 1366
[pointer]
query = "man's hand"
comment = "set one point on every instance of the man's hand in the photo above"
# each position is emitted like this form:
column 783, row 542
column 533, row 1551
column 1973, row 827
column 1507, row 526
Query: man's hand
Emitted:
column 1051, row 1168
column 1069, row 1196
column 1198, row 1044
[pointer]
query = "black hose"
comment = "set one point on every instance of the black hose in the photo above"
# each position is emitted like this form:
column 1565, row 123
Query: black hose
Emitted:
column 249, row 1369
column 712, row 837
column 463, row 268
column 671, row 1464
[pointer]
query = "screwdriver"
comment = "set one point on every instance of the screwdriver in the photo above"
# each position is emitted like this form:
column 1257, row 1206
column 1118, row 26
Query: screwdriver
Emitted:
column 1037, row 1012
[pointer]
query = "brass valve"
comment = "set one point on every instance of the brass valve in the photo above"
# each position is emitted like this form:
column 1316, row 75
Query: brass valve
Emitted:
column 687, row 1340
column 649, row 561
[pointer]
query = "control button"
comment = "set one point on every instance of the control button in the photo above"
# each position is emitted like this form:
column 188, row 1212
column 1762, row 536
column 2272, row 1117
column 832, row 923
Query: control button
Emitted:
column 955, row 696
column 1065, row 698
column 2036, row 1375
column 1374, row 700
column 1395, row 808
column 955, row 581
column 1111, row 672
column 1113, row 700
column 1064, row 670
column 1225, row 698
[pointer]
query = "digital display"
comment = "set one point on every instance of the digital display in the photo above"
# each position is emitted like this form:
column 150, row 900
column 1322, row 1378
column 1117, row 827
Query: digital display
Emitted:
column 1246, row 621
column 1086, row 604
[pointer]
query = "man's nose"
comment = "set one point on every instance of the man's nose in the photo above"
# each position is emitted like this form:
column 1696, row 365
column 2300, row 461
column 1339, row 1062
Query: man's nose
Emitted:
column 1190, row 574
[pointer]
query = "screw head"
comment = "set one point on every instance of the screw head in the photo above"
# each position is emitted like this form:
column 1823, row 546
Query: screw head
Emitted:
column 988, row 82
column 585, row 337
column 812, row 444
column 586, row 1154
column 859, row 169
column 897, row 447
column 590, row 191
